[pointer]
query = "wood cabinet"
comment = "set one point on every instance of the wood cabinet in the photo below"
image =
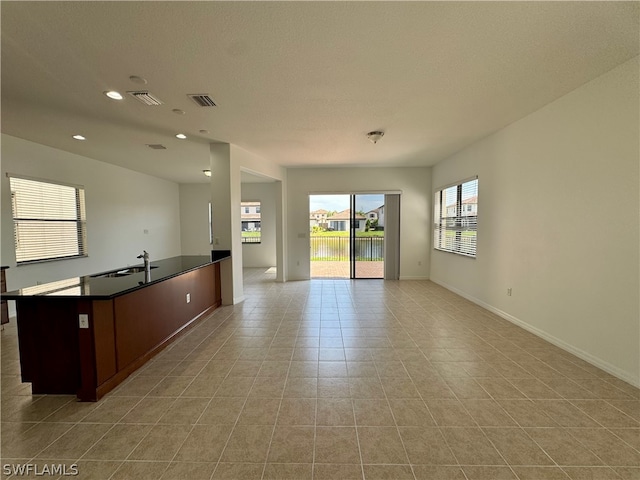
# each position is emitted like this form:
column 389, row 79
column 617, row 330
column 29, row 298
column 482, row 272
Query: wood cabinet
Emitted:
column 62, row 354
column 3, row 303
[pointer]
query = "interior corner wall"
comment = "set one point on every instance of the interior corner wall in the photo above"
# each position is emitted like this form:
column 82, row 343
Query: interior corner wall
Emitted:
column 127, row 212
column 223, row 198
column 227, row 163
column 194, row 218
column 558, row 223
column 261, row 254
column 416, row 207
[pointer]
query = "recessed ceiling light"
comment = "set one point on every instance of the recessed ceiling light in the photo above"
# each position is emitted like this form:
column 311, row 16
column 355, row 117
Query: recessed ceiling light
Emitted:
column 113, row 95
column 177, row 111
column 181, row 136
column 204, row 131
column 207, row 172
column 79, row 137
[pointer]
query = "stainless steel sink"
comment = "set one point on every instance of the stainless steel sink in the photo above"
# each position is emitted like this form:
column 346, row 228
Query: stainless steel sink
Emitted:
column 123, row 272
column 120, row 273
column 138, row 269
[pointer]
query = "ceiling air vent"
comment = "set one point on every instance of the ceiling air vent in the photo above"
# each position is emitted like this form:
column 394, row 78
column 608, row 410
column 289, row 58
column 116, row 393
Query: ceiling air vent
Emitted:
column 202, row 99
column 156, row 146
column 145, row 97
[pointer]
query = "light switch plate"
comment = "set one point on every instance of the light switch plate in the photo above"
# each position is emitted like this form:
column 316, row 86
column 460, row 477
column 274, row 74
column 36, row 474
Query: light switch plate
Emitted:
column 83, row 320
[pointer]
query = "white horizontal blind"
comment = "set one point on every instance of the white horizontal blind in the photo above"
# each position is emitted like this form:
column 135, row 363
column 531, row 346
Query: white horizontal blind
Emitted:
column 49, row 220
column 456, row 218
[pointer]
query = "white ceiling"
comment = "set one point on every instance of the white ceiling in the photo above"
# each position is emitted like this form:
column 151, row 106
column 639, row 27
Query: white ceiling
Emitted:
column 297, row 83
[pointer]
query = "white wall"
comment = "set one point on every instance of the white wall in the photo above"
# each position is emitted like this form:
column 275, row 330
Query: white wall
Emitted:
column 261, row 254
column 227, row 164
column 558, row 222
column 245, row 161
column 194, row 218
column 121, row 205
column 415, row 211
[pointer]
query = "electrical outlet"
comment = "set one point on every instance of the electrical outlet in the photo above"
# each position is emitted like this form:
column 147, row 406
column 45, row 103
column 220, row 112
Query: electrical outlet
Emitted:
column 188, row 298
column 83, row 320
column 508, row 292
column 216, row 241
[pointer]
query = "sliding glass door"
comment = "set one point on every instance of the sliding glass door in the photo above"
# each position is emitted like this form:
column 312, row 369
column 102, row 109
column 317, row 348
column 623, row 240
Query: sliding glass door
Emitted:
column 367, row 236
column 329, row 236
column 347, row 236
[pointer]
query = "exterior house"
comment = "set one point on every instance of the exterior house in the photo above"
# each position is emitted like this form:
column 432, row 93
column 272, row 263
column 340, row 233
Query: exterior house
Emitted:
column 250, row 216
column 469, row 209
column 377, row 214
column 318, row 218
column 340, row 221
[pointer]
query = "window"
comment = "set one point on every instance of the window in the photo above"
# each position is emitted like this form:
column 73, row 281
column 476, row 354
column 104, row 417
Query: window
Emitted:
column 250, row 217
column 49, row 220
column 456, row 218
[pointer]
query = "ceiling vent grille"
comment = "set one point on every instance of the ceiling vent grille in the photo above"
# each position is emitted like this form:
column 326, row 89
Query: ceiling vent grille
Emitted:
column 145, row 97
column 202, row 99
column 156, row 146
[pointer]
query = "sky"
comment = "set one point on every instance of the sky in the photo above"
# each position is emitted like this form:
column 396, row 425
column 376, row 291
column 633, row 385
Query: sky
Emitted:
column 341, row 202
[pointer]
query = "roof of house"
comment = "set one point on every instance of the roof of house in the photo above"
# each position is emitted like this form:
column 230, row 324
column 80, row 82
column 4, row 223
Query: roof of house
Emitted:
column 345, row 215
column 471, row 200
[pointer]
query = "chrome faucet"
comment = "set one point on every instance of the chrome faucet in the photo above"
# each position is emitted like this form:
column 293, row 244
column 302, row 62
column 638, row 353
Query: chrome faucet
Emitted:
column 147, row 264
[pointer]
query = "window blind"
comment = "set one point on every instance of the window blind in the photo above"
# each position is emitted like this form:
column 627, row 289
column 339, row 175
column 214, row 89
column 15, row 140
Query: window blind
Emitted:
column 49, row 220
column 456, row 218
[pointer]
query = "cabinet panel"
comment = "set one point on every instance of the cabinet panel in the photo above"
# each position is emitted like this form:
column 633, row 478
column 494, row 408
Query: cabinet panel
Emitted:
column 146, row 318
column 104, row 339
column 4, row 308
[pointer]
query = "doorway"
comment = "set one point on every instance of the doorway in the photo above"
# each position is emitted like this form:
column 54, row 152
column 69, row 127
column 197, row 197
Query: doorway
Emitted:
column 347, row 236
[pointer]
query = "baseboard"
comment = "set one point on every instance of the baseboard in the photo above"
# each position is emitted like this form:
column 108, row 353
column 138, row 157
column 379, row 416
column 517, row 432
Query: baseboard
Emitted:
column 239, row 299
column 586, row 356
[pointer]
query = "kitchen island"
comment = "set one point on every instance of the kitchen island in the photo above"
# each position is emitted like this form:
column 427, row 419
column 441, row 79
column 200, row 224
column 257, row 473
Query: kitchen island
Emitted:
column 87, row 334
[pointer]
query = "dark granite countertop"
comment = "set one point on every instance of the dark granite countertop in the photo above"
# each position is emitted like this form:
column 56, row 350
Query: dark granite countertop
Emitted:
column 115, row 282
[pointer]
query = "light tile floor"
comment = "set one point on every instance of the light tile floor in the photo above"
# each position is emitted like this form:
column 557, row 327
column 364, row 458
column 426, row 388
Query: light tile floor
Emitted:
column 335, row 270
column 338, row 379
